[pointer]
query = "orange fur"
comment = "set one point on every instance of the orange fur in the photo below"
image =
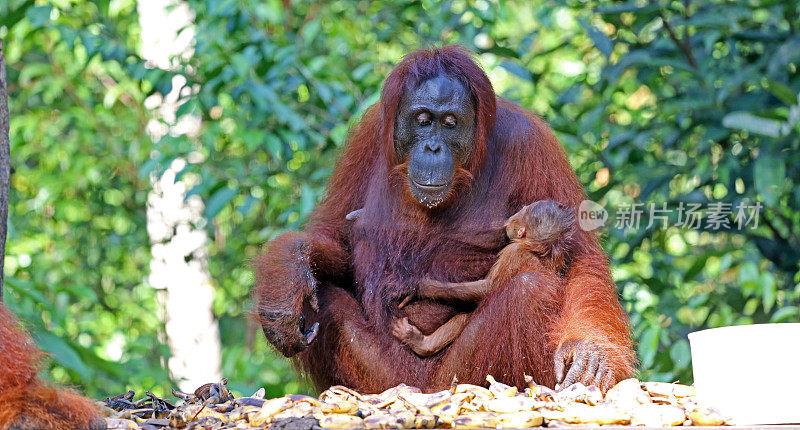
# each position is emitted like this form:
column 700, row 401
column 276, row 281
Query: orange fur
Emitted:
column 541, row 235
column 26, row 402
column 362, row 270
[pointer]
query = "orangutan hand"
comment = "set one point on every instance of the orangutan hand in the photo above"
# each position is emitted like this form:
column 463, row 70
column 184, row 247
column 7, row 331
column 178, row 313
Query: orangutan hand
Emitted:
column 584, row 361
column 281, row 313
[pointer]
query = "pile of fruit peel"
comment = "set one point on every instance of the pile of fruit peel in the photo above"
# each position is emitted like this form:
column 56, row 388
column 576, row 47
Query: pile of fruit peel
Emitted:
column 463, row 406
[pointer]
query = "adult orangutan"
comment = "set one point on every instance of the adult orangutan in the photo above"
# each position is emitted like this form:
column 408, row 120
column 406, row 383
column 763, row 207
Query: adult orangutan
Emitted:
column 28, row 403
column 438, row 165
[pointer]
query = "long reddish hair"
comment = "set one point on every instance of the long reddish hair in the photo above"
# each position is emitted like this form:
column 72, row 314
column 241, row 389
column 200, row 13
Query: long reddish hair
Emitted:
column 418, row 66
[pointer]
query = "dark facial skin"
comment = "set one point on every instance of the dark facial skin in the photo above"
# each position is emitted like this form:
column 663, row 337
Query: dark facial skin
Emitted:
column 434, row 131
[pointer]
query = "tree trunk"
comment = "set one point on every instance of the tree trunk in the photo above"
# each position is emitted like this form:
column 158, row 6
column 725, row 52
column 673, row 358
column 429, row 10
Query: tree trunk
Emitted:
column 5, row 165
column 178, row 266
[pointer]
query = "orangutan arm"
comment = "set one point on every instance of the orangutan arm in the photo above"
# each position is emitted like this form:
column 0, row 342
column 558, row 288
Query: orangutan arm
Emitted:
column 294, row 264
column 472, row 291
column 592, row 330
column 427, row 345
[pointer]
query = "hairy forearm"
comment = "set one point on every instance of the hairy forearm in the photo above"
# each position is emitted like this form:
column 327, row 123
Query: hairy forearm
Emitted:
column 279, row 269
column 299, row 254
column 328, row 258
column 472, row 291
column 591, row 308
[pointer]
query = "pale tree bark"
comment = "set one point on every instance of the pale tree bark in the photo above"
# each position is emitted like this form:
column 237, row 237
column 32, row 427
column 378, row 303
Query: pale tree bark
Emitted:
column 179, row 260
column 5, row 164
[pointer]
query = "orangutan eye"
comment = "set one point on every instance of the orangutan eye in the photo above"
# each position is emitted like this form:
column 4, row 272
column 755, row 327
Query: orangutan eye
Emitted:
column 424, row 118
column 449, row 121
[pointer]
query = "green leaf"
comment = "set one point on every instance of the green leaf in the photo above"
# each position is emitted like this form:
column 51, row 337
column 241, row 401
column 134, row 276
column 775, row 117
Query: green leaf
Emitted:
column 709, row 20
column 755, row 124
column 697, row 267
column 517, row 70
column 649, row 345
column 25, row 289
column 61, row 352
column 39, row 15
column 274, row 145
column 787, row 53
column 307, row 199
column 769, row 174
column 218, row 201
column 748, row 278
column 600, row 40
column 680, row 353
column 784, row 93
column 786, row 313
column 633, row 6
column 311, row 30
column 17, row 14
column 248, row 203
column 502, row 51
column 148, row 167
column 767, row 283
column 361, row 71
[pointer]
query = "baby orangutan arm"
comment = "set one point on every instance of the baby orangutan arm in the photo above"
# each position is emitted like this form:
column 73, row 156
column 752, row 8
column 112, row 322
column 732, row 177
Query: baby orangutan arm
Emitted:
column 423, row 345
column 472, row 291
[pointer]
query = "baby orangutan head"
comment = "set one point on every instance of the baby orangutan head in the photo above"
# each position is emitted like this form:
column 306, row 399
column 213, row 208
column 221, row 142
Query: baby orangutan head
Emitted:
column 544, row 223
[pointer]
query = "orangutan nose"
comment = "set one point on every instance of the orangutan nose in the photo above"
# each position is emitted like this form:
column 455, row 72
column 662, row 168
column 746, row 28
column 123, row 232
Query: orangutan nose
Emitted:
column 433, row 145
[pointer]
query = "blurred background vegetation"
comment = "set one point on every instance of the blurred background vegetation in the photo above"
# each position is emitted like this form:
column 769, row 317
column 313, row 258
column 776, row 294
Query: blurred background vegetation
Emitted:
column 655, row 101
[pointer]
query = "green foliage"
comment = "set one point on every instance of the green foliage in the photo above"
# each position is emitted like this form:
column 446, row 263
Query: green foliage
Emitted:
column 664, row 102
column 696, row 103
column 77, row 255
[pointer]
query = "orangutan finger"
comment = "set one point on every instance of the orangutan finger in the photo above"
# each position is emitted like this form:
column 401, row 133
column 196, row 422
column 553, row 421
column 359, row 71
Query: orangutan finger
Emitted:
column 405, row 301
column 598, row 378
column 560, row 362
column 605, row 379
column 591, row 370
column 314, row 301
column 576, row 371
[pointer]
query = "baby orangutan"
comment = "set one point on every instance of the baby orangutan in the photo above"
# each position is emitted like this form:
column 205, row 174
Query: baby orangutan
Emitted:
column 541, row 234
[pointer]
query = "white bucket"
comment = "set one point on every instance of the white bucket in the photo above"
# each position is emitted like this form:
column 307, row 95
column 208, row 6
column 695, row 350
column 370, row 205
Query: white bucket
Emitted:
column 751, row 373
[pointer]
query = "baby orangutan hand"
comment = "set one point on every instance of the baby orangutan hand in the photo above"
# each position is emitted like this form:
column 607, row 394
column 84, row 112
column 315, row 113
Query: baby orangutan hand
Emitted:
column 406, row 332
column 425, row 288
